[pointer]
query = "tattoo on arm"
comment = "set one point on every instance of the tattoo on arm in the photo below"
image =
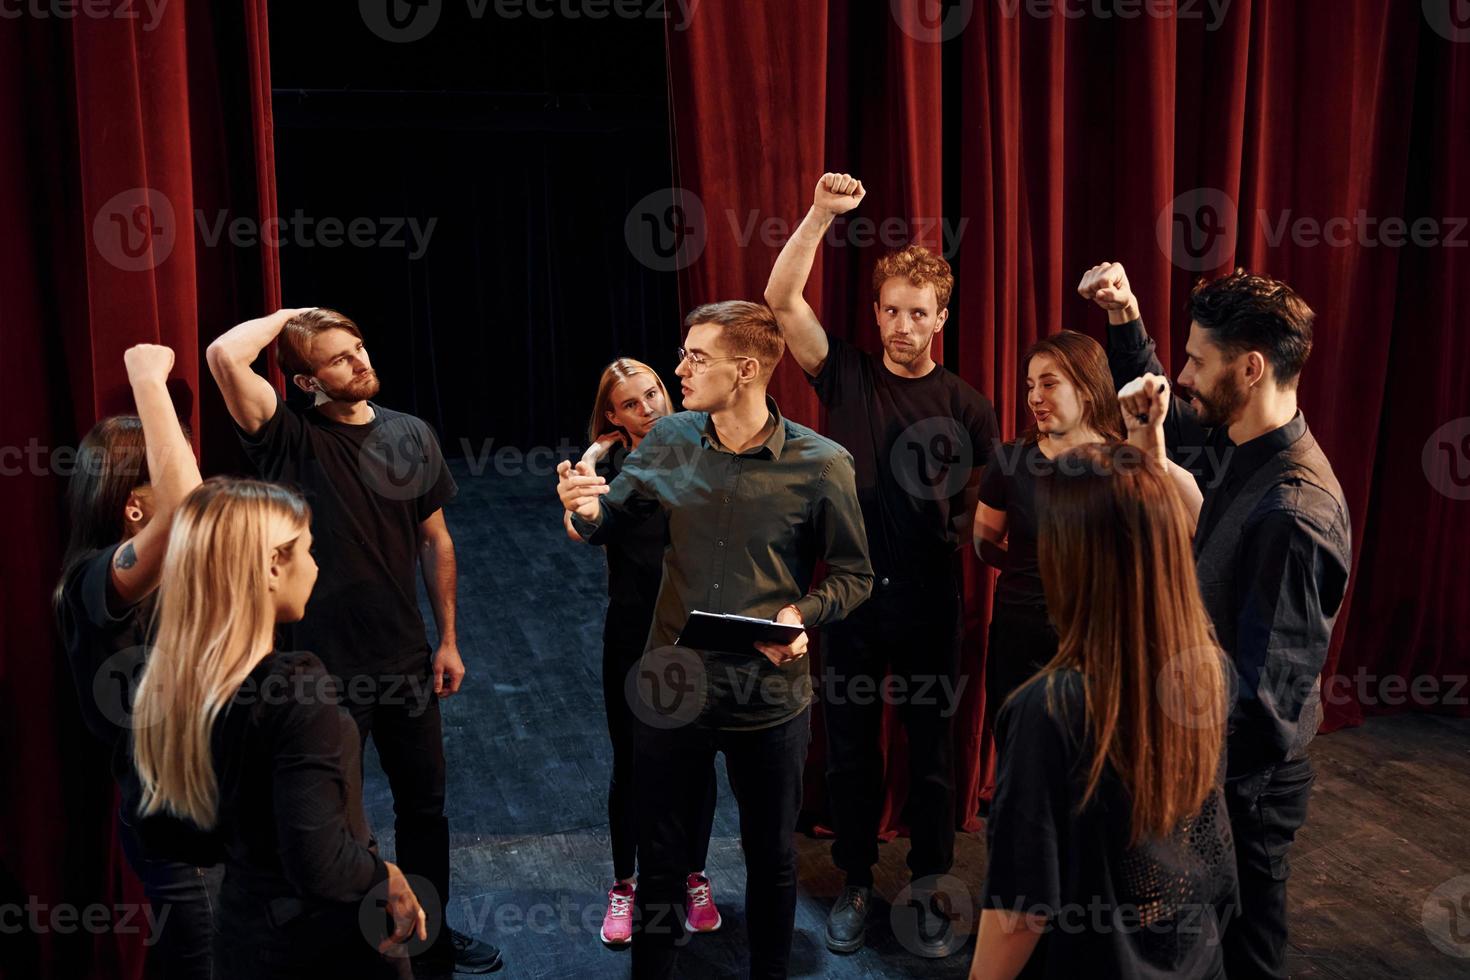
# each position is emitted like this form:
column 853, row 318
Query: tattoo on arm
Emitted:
column 126, row 557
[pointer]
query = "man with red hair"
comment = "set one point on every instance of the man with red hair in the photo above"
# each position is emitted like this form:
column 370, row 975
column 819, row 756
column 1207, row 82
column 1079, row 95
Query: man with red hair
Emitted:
column 919, row 436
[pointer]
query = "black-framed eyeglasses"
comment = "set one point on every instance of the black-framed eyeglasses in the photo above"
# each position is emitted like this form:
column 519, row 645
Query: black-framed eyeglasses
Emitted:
column 699, row 362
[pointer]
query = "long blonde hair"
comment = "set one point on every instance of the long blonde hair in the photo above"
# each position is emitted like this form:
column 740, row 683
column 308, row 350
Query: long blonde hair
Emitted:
column 619, row 370
column 214, row 618
column 1120, row 583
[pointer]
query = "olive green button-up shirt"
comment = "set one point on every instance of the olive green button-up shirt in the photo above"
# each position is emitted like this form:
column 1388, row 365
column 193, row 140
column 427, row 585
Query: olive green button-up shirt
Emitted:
column 745, row 533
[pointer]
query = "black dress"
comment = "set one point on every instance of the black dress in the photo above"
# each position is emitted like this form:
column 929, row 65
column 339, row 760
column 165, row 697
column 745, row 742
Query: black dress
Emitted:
column 304, row 887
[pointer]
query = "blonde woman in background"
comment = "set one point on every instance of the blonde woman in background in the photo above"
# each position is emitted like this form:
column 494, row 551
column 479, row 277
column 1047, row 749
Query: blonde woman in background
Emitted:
column 631, row 398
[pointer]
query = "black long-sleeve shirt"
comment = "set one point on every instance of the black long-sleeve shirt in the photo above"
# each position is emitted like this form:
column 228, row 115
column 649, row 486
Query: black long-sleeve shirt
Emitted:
column 287, row 760
column 746, row 531
column 1285, row 562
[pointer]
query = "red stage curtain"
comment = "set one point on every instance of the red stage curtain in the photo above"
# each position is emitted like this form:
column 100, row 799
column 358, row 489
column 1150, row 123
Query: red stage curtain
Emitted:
column 122, row 143
column 1062, row 141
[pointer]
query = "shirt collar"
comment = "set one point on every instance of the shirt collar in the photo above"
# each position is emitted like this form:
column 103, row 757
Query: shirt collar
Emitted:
column 775, row 442
column 1262, row 447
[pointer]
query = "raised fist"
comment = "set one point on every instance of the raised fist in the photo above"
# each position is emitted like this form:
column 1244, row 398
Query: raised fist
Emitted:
column 838, row 193
column 1144, row 402
column 148, row 362
column 1107, row 286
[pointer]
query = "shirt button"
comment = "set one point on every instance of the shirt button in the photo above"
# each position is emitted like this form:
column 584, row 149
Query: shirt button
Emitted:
column 726, row 500
column 720, row 543
column 885, row 580
column 717, row 585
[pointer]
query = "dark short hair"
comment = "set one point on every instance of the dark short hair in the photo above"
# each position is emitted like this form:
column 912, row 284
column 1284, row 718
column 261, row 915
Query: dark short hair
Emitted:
column 749, row 329
column 1246, row 312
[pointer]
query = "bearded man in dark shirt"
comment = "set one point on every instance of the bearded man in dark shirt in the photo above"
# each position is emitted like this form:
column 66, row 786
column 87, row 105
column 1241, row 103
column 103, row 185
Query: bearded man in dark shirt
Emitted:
column 1273, row 549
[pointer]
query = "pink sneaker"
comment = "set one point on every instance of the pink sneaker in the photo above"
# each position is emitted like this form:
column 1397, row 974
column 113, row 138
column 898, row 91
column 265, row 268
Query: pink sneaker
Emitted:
column 617, row 924
column 699, row 908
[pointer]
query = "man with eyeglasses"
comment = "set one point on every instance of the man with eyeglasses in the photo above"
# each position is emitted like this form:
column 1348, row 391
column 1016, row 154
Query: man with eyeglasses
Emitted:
column 753, row 501
column 920, row 437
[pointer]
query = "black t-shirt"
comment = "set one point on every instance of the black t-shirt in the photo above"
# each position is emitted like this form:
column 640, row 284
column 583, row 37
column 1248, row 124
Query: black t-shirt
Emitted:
column 1010, row 483
column 370, row 486
column 289, row 770
column 635, row 562
column 917, row 445
column 1152, row 911
column 106, row 648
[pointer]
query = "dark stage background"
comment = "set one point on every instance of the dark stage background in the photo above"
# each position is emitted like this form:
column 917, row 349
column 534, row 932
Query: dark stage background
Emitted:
column 1179, row 146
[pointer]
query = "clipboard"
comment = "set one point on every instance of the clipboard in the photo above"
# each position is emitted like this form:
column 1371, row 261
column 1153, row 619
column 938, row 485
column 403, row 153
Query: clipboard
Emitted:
column 733, row 634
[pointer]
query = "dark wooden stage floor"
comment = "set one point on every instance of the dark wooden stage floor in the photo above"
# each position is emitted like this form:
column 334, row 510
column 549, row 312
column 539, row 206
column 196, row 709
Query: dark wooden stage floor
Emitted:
column 528, row 762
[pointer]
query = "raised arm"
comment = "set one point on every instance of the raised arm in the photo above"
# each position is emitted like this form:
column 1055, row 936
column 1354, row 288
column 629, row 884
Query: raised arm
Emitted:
column 250, row 398
column 172, row 471
column 835, row 194
column 1132, row 354
column 1144, row 403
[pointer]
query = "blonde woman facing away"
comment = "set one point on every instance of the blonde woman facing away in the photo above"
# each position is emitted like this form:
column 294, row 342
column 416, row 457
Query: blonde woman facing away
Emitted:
column 251, row 743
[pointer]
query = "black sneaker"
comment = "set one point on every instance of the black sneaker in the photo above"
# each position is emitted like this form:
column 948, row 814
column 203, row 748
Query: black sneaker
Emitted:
column 471, row 955
column 848, row 920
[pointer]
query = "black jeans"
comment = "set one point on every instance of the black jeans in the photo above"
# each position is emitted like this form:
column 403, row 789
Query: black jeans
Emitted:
column 913, row 633
column 1021, row 641
column 620, row 654
column 185, row 899
column 765, row 768
column 1267, row 807
column 401, row 713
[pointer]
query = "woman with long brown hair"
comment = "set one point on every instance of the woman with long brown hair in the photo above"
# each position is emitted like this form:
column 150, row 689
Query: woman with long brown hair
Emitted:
column 252, row 744
column 631, row 398
column 132, row 473
column 1069, row 392
column 1108, row 832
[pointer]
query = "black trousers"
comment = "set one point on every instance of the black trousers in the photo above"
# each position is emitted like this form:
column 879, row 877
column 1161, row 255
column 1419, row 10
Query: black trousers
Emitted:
column 1021, row 641
column 401, row 713
column 1267, row 808
column 252, row 942
column 912, row 633
column 621, row 652
column 184, row 899
column 765, row 768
